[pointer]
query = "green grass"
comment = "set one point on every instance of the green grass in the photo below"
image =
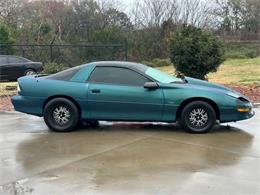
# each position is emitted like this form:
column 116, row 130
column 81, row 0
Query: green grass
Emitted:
column 249, row 61
column 241, row 50
column 238, row 72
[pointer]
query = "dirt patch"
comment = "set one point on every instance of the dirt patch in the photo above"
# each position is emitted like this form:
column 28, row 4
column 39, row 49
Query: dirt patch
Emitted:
column 251, row 91
column 5, row 103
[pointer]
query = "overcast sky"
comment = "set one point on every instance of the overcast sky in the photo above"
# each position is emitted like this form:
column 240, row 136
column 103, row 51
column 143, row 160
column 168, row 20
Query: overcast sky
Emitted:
column 128, row 4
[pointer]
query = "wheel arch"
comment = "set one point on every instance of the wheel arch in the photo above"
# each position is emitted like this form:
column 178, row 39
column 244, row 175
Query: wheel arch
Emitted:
column 29, row 68
column 63, row 96
column 187, row 101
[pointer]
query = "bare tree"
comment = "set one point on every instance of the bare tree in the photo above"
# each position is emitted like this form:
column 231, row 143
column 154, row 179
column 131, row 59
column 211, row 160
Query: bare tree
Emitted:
column 155, row 12
column 8, row 11
column 238, row 18
column 149, row 13
column 195, row 12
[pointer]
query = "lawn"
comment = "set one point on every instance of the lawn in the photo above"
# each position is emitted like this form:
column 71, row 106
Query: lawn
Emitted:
column 233, row 72
column 3, row 86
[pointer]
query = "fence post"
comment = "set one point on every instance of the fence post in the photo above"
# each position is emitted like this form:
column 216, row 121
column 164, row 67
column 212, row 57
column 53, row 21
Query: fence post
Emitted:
column 258, row 46
column 23, row 52
column 126, row 50
column 51, row 55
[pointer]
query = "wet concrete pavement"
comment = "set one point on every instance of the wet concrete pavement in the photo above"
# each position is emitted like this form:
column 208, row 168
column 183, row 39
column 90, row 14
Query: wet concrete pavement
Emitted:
column 128, row 159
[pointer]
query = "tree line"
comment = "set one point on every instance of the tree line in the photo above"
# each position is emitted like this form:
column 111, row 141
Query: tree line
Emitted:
column 148, row 27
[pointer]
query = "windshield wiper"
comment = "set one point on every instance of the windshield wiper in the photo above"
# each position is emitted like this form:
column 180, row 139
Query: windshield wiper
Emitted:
column 182, row 77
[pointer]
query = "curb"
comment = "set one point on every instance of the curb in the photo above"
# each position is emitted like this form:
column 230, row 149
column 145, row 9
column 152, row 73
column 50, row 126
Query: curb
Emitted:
column 256, row 105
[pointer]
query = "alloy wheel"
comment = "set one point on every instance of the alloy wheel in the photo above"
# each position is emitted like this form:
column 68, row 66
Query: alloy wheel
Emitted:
column 198, row 117
column 61, row 115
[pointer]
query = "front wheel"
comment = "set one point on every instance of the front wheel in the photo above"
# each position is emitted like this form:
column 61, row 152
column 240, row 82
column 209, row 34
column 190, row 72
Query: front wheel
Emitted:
column 61, row 115
column 198, row 117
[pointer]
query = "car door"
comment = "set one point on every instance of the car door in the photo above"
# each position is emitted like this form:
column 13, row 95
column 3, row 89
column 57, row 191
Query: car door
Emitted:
column 15, row 67
column 117, row 93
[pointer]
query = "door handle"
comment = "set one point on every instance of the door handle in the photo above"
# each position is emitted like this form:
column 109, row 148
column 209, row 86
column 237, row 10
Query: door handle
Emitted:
column 95, row 90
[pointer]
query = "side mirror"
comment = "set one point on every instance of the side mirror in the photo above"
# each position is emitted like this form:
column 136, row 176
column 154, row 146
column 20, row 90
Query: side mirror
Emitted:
column 151, row 85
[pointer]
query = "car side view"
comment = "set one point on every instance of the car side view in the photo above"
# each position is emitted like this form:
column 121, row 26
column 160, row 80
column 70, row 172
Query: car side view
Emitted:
column 13, row 67
column 125, row 91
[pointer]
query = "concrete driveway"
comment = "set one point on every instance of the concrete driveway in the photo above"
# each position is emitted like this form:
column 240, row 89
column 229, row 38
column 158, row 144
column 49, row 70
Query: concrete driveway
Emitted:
column 128, row 159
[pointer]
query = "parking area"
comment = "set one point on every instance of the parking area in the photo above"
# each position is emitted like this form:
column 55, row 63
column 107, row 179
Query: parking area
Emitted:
column 123, row 158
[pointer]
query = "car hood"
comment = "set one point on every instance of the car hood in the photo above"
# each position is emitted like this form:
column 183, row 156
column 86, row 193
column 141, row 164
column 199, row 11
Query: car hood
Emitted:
column 199, row 85
column 198, row 82
column 213, row 87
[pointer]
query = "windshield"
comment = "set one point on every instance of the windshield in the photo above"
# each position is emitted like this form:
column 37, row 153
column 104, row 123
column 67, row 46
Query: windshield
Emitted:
column 161, row 76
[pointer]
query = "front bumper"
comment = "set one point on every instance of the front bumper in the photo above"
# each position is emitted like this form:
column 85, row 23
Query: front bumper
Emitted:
column 238, row 113
column 29, row 105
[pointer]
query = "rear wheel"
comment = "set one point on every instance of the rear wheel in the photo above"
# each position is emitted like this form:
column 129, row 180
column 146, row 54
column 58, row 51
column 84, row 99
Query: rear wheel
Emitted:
column 61, row 115
column 29, row 72
column 198, row 117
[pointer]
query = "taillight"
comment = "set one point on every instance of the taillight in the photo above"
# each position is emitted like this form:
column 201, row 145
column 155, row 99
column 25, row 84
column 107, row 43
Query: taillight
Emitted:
column 18, row 88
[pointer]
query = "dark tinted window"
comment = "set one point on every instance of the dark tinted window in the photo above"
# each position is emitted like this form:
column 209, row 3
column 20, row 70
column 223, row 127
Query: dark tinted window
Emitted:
column 3, row 60
column 65, row 75
column 13, row 60
column 116, row 75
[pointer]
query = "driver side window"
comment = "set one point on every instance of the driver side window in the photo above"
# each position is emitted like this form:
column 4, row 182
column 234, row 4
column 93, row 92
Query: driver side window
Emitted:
column 117, row 75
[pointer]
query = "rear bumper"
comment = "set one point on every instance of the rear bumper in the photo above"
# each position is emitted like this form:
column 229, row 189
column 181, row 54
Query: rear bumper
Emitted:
column 29, row 105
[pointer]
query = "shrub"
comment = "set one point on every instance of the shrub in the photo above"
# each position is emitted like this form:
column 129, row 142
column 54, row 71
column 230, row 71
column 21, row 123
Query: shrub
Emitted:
column 157, row 62
column 162, row 62
column 6, row 39
column 52, row 67
column 195, row 52
column 148, row 63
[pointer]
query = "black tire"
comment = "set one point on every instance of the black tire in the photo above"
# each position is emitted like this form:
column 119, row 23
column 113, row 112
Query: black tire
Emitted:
column 29, row 72
column 198, row 117
column 61, row 115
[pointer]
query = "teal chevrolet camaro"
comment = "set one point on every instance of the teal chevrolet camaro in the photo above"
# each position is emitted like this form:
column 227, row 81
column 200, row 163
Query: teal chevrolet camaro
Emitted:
column 125, row 91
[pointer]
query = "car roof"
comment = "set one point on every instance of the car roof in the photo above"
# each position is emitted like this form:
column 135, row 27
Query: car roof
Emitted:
column 9, row 56
column 124, row 64
column 13, row 56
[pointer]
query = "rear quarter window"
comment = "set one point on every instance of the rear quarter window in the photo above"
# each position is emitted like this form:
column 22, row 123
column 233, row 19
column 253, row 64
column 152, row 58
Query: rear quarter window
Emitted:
column 3, row 60
column 64, row 75
column 13, row 60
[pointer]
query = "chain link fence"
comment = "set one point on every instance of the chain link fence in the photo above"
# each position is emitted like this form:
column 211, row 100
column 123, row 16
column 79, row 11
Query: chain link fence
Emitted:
column 70, row 55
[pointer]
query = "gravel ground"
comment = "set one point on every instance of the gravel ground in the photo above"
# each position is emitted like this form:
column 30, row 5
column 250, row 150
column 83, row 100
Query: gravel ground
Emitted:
column 5, row 103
